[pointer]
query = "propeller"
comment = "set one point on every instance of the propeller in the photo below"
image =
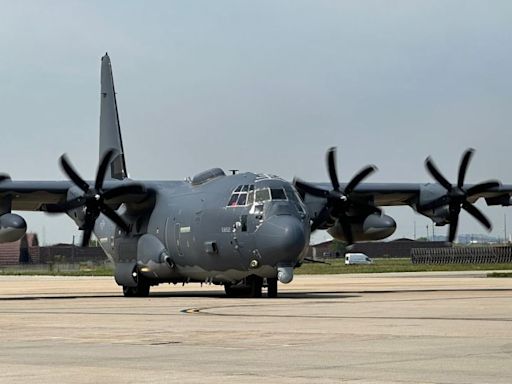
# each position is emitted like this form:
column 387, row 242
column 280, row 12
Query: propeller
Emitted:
column 95, row 199
column 457, row 197
column 339, row 201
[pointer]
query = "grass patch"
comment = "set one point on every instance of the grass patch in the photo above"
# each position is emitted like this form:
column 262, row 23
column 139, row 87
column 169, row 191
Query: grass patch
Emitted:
column 500, row 274
column 57, row 270
column 337, row 266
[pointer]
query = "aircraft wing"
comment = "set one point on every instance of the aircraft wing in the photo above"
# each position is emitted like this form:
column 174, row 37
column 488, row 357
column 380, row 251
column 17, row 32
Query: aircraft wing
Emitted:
column 50, row 196
column 414, row 194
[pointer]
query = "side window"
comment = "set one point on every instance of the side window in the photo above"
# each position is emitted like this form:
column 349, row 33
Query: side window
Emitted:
column 293, row 196
column 278, row 194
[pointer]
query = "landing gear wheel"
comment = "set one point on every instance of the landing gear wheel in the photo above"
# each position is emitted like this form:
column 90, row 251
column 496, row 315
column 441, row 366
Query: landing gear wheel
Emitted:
column 271, row 287
column 255, row 284
column 141, row 290
column 230, row 290
column 251, row 286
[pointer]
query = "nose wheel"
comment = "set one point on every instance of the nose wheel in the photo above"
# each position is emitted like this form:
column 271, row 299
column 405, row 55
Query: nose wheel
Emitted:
column 272, row 287
column 251, row 286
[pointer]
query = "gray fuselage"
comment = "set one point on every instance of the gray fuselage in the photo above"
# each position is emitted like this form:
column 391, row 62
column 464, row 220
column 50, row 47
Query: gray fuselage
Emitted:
column 221, row 230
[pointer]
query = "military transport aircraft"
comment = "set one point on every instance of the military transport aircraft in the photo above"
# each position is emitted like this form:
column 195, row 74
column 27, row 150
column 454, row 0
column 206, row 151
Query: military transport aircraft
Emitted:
column 244, row 231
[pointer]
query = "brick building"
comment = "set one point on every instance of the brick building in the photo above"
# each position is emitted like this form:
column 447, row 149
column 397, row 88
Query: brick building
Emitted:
column 23, row 251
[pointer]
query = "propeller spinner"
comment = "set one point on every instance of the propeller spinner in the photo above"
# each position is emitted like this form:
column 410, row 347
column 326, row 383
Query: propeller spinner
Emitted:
column 457, row 197
column 339, row 201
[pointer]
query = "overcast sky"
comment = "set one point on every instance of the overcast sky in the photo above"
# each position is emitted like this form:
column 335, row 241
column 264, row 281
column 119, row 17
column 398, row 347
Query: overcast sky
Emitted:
column 262, row 86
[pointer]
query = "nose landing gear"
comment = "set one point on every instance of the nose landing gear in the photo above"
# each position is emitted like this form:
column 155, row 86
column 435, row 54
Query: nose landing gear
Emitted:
column 251, row 286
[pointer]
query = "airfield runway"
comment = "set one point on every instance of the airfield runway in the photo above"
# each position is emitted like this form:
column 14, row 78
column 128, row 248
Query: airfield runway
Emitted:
column 378, row 328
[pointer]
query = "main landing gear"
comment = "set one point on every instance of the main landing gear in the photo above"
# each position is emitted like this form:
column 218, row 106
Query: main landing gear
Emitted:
column 141, row 290
column 251, row 286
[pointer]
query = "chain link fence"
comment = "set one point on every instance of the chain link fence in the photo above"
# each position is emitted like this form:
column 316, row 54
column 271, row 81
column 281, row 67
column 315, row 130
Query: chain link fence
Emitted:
column 462, row 255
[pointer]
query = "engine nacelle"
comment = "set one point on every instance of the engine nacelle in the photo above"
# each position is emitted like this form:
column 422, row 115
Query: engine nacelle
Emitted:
column 439, row 215
column 12, row 227
column 373, row 227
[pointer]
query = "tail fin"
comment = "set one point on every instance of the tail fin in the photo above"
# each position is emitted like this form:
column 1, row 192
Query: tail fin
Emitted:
column 110, row 130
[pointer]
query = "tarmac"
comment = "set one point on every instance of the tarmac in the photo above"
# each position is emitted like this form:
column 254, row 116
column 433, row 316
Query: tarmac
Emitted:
column 374, row 328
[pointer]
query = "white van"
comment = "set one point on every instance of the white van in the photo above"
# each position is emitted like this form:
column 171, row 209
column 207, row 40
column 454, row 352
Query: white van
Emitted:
column 357, row 258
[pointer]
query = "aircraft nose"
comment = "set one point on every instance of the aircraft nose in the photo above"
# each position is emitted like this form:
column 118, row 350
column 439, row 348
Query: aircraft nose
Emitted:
column 281, row 238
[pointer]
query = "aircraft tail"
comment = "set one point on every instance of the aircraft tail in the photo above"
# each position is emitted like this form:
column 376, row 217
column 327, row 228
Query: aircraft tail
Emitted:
column 110, row 129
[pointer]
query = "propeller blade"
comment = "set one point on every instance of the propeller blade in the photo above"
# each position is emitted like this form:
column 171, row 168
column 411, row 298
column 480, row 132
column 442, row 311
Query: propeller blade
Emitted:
column 135, row 189
column 466, row 158
column 347, row 229
column 86, row 237
column 436, row 174
column 312, row 190
column 102, row 169
column 72, row 174
column 331, row 166
column 112, row 215
column 454, row 222
column 482, row 187
column 363, row 174
column 477, row 214
column 88, row 226
column 321, row 218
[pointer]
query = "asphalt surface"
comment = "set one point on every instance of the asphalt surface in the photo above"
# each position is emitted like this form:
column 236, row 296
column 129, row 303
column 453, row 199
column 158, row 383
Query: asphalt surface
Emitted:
column 379, row 328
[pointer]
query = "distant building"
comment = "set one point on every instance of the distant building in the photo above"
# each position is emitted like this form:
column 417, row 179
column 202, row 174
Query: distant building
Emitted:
column 474, row 238
column 23, row 251
column 322, row 250
column 394, row 248
column 27, row 251
column 70, row 254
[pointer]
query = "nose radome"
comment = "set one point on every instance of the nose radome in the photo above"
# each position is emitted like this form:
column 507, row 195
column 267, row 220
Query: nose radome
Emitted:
column 281, row 239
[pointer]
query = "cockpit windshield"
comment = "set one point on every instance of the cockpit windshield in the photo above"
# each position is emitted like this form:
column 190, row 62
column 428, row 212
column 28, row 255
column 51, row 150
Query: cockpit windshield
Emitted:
column 249, row 196
column 239, row 196
column 244, row 195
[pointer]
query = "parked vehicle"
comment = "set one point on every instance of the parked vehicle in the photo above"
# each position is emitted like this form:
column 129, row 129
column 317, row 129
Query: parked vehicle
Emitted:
column 357, row 258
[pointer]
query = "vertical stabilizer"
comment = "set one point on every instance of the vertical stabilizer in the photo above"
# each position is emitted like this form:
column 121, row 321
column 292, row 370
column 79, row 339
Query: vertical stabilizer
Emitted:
column 110, row 130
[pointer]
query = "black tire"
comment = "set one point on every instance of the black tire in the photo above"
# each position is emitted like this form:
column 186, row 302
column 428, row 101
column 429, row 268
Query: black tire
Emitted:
column 141, row 290
column 230, row 290
column 254, row 285
column 249, row 287
column 272, row 287
column 128, row 291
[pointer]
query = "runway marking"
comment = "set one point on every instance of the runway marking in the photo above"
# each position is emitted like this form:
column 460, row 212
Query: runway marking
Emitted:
column 191, row 311
column 204, row 311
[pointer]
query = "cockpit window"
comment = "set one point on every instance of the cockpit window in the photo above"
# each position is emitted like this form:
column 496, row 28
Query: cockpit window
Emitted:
column 262, row 195
column 233, row 200
column 278, row 194
column 239, row 196
column 242, row 199
column 250, row 198
column 294, row 197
